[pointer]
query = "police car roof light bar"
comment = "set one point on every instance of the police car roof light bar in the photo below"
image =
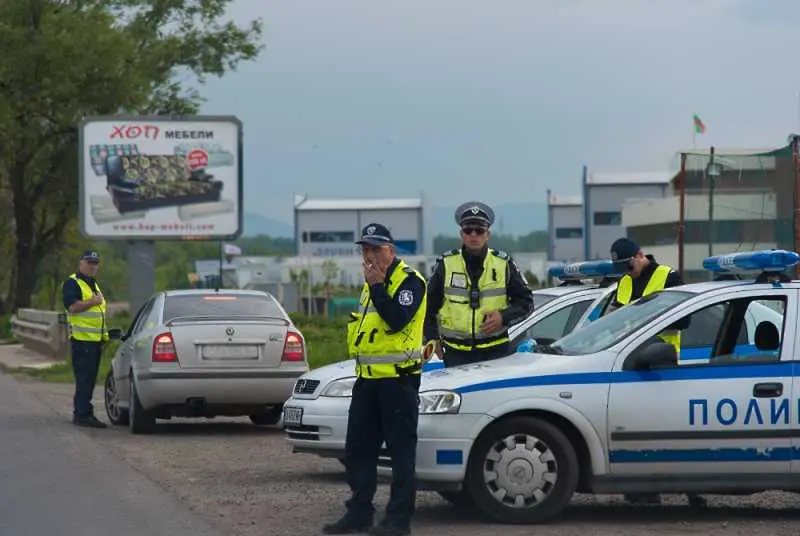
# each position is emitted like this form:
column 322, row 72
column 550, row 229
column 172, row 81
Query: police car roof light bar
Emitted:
column 581, row 270
column 768, row 260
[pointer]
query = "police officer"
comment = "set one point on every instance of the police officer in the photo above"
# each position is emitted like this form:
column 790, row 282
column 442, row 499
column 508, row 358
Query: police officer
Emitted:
column 88, row 330
column 643, row 276
column 385, row 338
column 475, row 294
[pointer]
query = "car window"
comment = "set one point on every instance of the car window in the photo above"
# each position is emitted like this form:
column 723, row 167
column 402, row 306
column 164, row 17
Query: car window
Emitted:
column 540, row 299
column 220, row 305
column 718, row 333
column 142, row 318
column 558, row 323
column 612, row 328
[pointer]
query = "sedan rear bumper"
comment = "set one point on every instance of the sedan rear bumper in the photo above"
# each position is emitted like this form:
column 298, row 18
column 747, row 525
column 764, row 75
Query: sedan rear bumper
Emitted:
column 233, row 387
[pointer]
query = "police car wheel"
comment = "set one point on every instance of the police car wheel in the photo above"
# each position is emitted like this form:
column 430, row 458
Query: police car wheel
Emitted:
column 116, row 415
column 141, row 421
column 522, row 470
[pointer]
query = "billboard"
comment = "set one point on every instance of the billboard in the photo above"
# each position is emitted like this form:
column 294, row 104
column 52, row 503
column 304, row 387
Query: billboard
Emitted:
column 152, row 178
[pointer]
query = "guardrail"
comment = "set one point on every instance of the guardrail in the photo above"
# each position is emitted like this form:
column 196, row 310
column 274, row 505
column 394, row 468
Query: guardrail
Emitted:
column 44, row 332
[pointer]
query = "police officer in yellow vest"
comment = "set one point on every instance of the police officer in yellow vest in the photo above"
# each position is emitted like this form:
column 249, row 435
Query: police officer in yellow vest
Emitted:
column 643, row 276
column 475, row 294
column 88, row 330
column 385, row 339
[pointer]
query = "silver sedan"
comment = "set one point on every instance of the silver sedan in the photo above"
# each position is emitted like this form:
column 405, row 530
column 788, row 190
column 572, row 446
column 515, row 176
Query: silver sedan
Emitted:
column 204, row 353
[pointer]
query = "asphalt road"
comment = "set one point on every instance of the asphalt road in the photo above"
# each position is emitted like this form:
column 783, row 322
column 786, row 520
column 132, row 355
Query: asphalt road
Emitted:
column 56, row 480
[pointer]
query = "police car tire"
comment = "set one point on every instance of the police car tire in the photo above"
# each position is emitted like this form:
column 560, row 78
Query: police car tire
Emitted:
column 141, row 421
column 567, row 471
column 269, row 417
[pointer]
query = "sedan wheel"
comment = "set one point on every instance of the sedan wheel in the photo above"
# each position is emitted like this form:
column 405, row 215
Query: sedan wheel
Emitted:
column 141, row 421
column 117, row 415
column 522, row 470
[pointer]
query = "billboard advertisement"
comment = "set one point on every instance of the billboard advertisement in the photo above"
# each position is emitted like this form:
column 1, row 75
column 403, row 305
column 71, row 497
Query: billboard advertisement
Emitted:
column 151, row 178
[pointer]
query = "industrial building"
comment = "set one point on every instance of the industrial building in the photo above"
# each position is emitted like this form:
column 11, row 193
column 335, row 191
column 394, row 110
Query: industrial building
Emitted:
column 584, row 227
column 564, row 228
column 604, row 195
column 329, row 227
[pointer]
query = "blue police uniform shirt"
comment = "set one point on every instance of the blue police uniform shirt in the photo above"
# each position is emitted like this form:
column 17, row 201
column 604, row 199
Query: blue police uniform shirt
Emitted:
column 398, row 311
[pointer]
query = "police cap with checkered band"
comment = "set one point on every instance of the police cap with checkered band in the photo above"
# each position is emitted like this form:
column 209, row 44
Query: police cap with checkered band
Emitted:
column 474, row 213
column 375, row 234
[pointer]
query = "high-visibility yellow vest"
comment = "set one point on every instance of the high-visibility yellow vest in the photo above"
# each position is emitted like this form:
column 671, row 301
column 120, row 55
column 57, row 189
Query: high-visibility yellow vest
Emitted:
column 657, row 282
column 90, row 325
column 459, row 322
column 379, row 352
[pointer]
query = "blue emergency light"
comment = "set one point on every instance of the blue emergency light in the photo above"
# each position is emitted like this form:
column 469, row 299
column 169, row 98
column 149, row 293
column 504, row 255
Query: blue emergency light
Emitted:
column 578, row 270
column 768, row 260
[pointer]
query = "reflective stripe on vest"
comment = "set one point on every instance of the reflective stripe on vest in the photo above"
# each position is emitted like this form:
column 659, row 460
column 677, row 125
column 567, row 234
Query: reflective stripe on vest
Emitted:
column 658, row 281
column 89, row 325
column 380, row 353
column 459, row 323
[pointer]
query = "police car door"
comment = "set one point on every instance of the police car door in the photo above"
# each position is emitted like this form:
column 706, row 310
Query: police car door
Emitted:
column 730, row 415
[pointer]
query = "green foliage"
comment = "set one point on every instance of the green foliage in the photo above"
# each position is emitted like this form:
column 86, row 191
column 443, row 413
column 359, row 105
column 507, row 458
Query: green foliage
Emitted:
column 64, row 60
column 532, row 242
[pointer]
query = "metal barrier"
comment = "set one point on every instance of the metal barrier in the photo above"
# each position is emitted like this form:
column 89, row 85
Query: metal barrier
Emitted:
column 44, row 332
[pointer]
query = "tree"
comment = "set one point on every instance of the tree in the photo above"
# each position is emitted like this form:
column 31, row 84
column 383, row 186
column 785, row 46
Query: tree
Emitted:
column 64, row 60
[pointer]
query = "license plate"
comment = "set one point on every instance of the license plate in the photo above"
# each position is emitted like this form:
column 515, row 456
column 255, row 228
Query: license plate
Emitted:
column 293, row 416
column 232, row 351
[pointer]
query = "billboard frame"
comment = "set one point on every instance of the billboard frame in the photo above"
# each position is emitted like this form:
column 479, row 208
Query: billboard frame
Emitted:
column 161, row 118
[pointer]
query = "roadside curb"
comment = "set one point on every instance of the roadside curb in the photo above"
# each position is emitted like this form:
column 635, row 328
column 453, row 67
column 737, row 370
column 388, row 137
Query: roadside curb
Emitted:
column 15, row 358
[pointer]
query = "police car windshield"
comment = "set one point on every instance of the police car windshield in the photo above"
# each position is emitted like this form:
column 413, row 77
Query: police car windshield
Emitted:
column 615, row 326
column 541, row 299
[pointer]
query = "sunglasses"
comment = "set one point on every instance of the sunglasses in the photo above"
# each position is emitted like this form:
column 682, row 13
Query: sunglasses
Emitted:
column 473, row 230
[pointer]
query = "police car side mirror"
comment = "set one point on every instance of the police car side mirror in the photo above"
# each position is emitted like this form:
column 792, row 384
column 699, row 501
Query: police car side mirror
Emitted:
column 115, row 334
column 654, row 356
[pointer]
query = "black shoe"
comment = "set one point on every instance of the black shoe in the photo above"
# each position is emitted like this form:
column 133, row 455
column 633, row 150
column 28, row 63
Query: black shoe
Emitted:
column 389, row 530
column 89, row 422
column 696, row 501
column 643, row 498
column 347, row 526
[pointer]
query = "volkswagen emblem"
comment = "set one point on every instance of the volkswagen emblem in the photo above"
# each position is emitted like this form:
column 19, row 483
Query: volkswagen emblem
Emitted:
column 230, row 332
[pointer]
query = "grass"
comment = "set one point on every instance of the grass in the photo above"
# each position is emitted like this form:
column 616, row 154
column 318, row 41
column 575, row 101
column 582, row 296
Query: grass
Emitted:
column 325, row 340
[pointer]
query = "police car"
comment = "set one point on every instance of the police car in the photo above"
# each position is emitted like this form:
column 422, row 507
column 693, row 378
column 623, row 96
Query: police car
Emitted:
column 609, row 408
column 315, row 416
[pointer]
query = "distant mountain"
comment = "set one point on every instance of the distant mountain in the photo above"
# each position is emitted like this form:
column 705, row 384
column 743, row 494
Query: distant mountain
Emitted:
column 256, row 224
column 510, row 218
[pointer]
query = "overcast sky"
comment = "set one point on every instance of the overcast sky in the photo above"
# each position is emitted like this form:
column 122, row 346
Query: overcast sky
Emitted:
column 500, row 100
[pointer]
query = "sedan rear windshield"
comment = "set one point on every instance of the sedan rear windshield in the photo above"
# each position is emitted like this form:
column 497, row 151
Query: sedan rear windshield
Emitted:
column 219, row 305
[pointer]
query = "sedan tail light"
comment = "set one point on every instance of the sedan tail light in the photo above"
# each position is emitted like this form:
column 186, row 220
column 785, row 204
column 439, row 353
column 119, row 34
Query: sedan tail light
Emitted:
column 164, row 348
column 293, row 347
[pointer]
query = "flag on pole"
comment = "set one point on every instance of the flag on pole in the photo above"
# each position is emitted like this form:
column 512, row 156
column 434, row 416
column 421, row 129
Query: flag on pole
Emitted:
column 699, row 127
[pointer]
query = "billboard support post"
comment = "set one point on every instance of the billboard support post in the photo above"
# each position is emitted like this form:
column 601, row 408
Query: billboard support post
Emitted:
column 141, row 273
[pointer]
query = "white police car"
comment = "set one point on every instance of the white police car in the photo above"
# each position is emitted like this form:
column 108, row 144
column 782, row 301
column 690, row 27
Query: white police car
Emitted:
column 610, row 409
column 315, row 417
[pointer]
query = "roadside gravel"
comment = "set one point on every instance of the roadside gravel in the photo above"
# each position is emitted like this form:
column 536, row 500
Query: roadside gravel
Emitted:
column 246, row 480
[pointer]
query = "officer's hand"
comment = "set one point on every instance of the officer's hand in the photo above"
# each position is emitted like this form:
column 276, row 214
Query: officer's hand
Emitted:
column 98, row 298
column 372, row 273
column 492, row 322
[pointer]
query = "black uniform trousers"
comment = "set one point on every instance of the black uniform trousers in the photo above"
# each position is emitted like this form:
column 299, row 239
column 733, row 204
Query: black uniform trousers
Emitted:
column 382, row 409
column 85, row 366
column 453, row 357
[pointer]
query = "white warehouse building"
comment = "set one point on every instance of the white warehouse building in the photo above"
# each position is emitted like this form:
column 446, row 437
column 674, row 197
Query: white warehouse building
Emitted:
column 564, row 227
column 330, row 227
